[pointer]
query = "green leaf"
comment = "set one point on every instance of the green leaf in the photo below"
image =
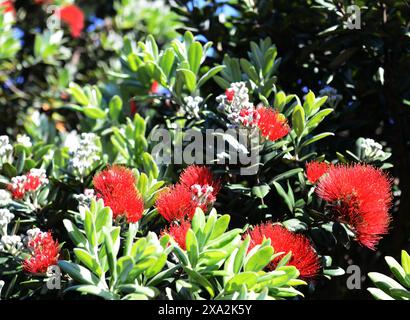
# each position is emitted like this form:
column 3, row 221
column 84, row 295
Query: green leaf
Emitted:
column 94, row 113
column 167, row 61
column 309, row 103
column 157, row 267
column 192, row 247
column 248, row 279
column 75, row 234
column 316, row 138
column 405, row 261
column 250, row 70
column 195, row 56
column 400, row 294
column 298, row 120
column 383, row 282
column 396, row 269
column 261, row 191
column 77, row 92
column 198, row 221
column 190, row 79
column 115, row 107
column 259, row 260
column 124, row 266
column 379, row 294
column 284, row 195
column 286, row 174
column 224, row 239
column 334, row 272
column 89, row 229
column 208, row 75
column 20, row 162
column 112, row 259
column 240, row 255
column 78, row 273
column 318, row 118
column 88, row 260
column 220, row 226
column 94, row 290
column 196, row 277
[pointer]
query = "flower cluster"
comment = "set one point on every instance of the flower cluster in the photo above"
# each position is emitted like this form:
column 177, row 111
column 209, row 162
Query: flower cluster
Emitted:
column 24, row 140
column 44, row 251
column 6, row 150
column 192, row 106
column 8, row 6
column 5, row 198
column 358, row 195
column 178, row 231
column 84, row 199
column 84, row 153
column 370, row 150
column 242, row 113
column 333, row 97
column 11, row 244
column 315, row 170
column 29, row 183
column 5, row 218
column 304, row 257
column 235, row 99
column 272, row 124
column 177, row 204
column 116, row 186
column 196, row 188
column 73, row 16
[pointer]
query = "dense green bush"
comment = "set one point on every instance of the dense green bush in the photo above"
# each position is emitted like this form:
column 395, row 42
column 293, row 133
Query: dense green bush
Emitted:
column 285, row 87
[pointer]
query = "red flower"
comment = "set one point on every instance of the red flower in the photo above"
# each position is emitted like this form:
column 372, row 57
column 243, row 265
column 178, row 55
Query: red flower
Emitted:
column 45, row 252
column 8, row 6
column 272, row 124
column 73, row 16
column 360, row 196
column 200, row 181
column 304, row 257
column 116, row 186
column 30, row 182
column 178, row 232
column 133, row 107
column 230, row 94
column 315, row 170
column 176, row 203
column 249, row 116
column 154, row 87
column 43, row 1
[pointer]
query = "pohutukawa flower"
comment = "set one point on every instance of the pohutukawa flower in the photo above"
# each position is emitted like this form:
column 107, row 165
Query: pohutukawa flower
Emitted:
column 360, row 196
column 200, row 181
column 178, row 232
column 154, row 87
column 315, row 170
column 176, row 203
column 30, row 182
column 44, row 253
column 116, row 186
column 8, row 6
column 73, row 16
column 230, row 94
column 272, row 124
column 304, row 257
column 249, row 116
column 44, row 1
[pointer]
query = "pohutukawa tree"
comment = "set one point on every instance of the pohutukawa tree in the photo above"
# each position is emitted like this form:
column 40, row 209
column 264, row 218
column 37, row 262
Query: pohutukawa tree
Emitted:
column 82, row 189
